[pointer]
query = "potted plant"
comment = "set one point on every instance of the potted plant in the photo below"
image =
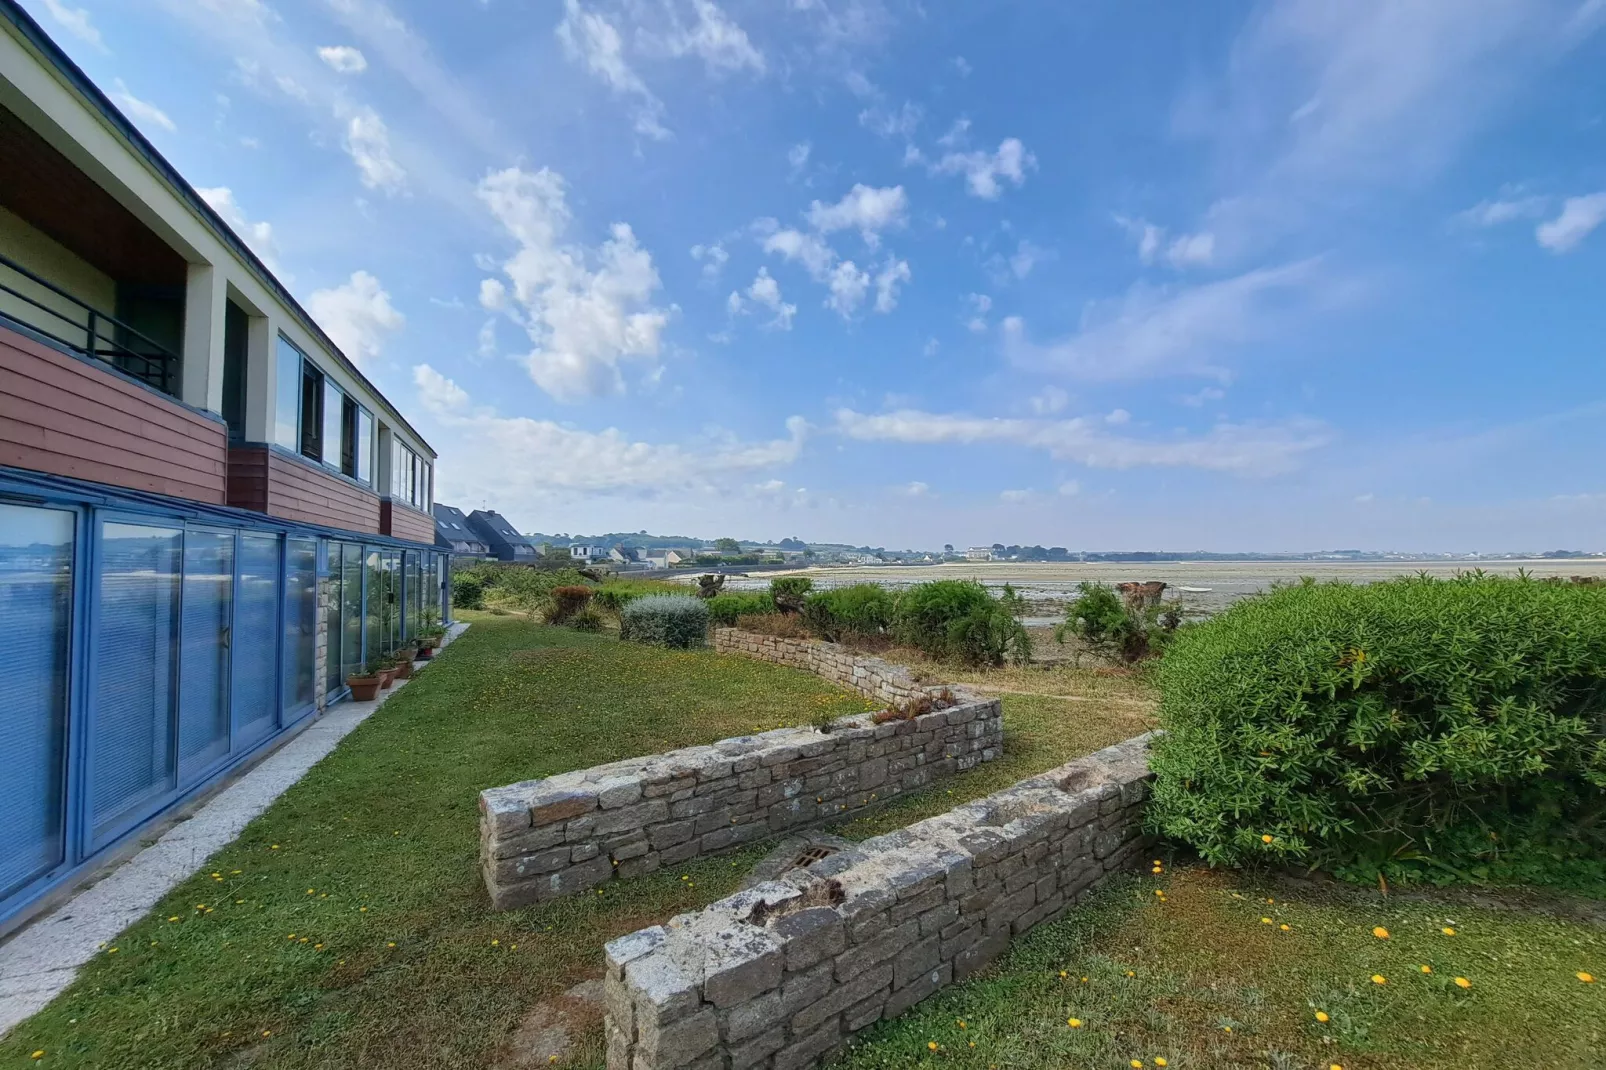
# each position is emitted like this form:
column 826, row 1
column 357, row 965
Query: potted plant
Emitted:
column 387, row 673
column 429, row 638
column 365, row 683
column 404, row 661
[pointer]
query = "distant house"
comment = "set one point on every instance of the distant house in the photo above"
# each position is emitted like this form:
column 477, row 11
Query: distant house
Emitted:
column 979, row 553
column 505, row 542
column 453, row 533
column 588, row 554
column 665, row 559
column 625, row 555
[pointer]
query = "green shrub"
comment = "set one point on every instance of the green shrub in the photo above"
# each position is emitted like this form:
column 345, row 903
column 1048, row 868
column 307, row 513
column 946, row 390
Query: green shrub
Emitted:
column 788, row 592
column 862, row 611
column 672, row 620
column 612, row 599
column 723, row 609
column 1099, row 617
column 566, row 601
column 1416, row 728
column 959, row 620
column 585, row 619
column 467, row 591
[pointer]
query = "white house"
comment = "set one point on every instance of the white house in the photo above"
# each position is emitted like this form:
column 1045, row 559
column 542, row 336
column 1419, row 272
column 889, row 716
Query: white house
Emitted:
column 588, row 554
column 979, row 553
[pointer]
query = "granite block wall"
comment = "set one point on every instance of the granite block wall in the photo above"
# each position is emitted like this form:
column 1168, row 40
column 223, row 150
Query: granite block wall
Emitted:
column 870, row 676
column 546, row 838
column 779, row 976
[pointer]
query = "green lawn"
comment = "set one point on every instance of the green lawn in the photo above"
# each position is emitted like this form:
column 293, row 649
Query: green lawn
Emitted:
column 1199, row 979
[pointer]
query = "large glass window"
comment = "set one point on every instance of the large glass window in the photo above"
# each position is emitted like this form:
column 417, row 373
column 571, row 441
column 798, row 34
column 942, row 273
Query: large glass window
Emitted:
column 334, row 424
column 203, row 718
column 300, row 624
column 409, row 476
column 365, row 446
column 334, row 655
column 311, row 411
column 256, row 640
column 36, row 571
column 415, row 594
column 373, row 615
column 132, row 732
column 287, row 397
column 351, row 652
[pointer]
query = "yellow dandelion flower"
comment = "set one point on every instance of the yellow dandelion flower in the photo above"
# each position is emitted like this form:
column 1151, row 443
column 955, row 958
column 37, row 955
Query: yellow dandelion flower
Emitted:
column 1159, row 1060
column 1074, row 1023
column 931, row 1045
column 1136, row 1064
column 1063, row 974
column 1322, row 1016
column 1381, row 933
column 267, row 1032
column 275, row 847
column 1226, row 1029
column 1129, row 973
column 362, row 910
column 1265, row 921
column 1587, row 978
column 1335, row 1066
column 173, row 918
column 1379, row 979
column 961, row 1022
column 1156, row 869
column 1266, row 839
column 317, row 947
column 1157, row 862
column 111, row 951
column 1159, row 893
column 1462, row 982
column 392, row 943
column 1426, row 968
column 1447, row 931
column 40, row 1054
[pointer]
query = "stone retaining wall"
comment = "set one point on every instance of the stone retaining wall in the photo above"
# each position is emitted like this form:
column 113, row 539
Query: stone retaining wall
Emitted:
column 871, row 677
column 781, row 975
column 546, row 838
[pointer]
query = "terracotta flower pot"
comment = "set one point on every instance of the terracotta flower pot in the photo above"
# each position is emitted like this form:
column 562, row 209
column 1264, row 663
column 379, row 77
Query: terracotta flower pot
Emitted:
column 404, row 669
column 364, row 688
column 386, row 678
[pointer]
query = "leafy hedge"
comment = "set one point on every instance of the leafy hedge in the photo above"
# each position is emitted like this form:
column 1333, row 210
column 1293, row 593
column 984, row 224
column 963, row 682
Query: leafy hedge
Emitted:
column 723, row 609
column 862, row 611
column 959, row 620
column 672, row 620
column 1418, row 728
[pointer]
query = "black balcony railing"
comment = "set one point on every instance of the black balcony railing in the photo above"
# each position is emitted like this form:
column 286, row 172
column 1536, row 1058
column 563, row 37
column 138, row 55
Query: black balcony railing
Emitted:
column 87, row 330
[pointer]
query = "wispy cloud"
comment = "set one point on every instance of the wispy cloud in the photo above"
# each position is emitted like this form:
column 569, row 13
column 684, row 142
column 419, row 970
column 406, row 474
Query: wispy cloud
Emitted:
column 358, row 315
column 1579, row 217
column 142, row 112
column 76, row 21
column 714, row 37
column 589, row 37
column 343, row 58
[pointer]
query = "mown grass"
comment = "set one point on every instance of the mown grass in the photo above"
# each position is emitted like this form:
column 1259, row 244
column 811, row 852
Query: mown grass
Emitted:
column 348, row 925
column 1198, row 979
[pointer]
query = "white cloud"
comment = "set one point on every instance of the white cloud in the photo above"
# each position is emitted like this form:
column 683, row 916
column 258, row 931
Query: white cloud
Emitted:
column 1070, row 488
column 713, row 257
column 1244, row 449
column 1026, row 257
column 767, row 292
column 979, row 305
column 487, row 347
column 1500, row 210
column 76, row 21
column 493, row 295
column 259, row 236
column 1186, row 250
column 358, row 315
column 961, row 66
column 982, row 170
column 1204, row 397
column 915, row 489
column 1579, row 216
column 1189, row 250
column 584, row 322
column 1049, row 400
column 806, row 249
column 514, row 459
column 797, row 157
column 344, row 59
column 589, row 37
column 931, row 348
column 721, row 44
column 1118, row 417
column 868, row 209
column 141, row 111
column 1016, row 497
column 1153, row 331
column 368, row 144
column 887, row 280
column 898, row 123
column 848, row 286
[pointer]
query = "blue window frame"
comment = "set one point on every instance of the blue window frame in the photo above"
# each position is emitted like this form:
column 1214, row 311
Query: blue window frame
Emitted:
column 36, row 602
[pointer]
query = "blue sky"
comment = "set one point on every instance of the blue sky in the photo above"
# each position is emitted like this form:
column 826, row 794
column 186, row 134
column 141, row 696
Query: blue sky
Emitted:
column 1111, row 274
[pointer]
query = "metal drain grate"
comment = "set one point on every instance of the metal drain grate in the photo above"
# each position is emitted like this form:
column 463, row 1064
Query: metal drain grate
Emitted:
column 818, row 852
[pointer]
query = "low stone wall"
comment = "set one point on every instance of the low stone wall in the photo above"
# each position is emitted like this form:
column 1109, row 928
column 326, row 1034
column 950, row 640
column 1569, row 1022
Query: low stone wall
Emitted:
column 871, row 677
column 781, row 975
column 546, row 838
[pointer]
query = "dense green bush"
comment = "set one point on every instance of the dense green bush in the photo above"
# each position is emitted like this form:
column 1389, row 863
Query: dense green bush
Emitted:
column 788, row 592
column 862, row 611
column 467, row 591
column 1100, row 618
column 1417, row 728
column 672, row 620
column 723, row 609
column 959, row 620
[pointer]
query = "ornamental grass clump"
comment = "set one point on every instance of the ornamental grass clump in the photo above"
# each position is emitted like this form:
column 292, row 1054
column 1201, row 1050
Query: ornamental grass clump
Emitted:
column 673, row 620
column 566, row 601
column 1420, row 728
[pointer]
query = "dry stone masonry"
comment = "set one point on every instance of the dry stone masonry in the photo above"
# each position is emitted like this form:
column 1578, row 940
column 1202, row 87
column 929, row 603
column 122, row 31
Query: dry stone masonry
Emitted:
column 547, row 838
column 779, row 976
column 871, row 677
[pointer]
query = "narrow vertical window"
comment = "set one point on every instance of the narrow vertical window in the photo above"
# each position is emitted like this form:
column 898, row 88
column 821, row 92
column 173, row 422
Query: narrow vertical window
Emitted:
column 287, row 397
column 365, row 446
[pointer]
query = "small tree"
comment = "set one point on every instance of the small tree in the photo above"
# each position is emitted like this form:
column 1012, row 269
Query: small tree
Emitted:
column 789, row 592
column 1115, row 628
column 727, row 546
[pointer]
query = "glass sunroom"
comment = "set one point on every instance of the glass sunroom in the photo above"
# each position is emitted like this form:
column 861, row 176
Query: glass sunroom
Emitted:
column 157, row 644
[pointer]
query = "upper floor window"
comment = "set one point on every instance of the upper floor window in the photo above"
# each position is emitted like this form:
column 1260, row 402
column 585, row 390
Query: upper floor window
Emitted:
column 317, row 419
column 410, row 476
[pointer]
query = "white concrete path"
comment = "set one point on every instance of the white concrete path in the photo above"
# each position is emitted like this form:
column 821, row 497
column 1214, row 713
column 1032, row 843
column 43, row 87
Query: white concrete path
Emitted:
column 41, row 960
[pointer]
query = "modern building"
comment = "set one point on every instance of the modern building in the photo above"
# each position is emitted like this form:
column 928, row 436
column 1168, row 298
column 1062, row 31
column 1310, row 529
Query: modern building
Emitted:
column 979, row 553
column 585, row 555
column 208, row 515
column 453, row 534
column 503, row 538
